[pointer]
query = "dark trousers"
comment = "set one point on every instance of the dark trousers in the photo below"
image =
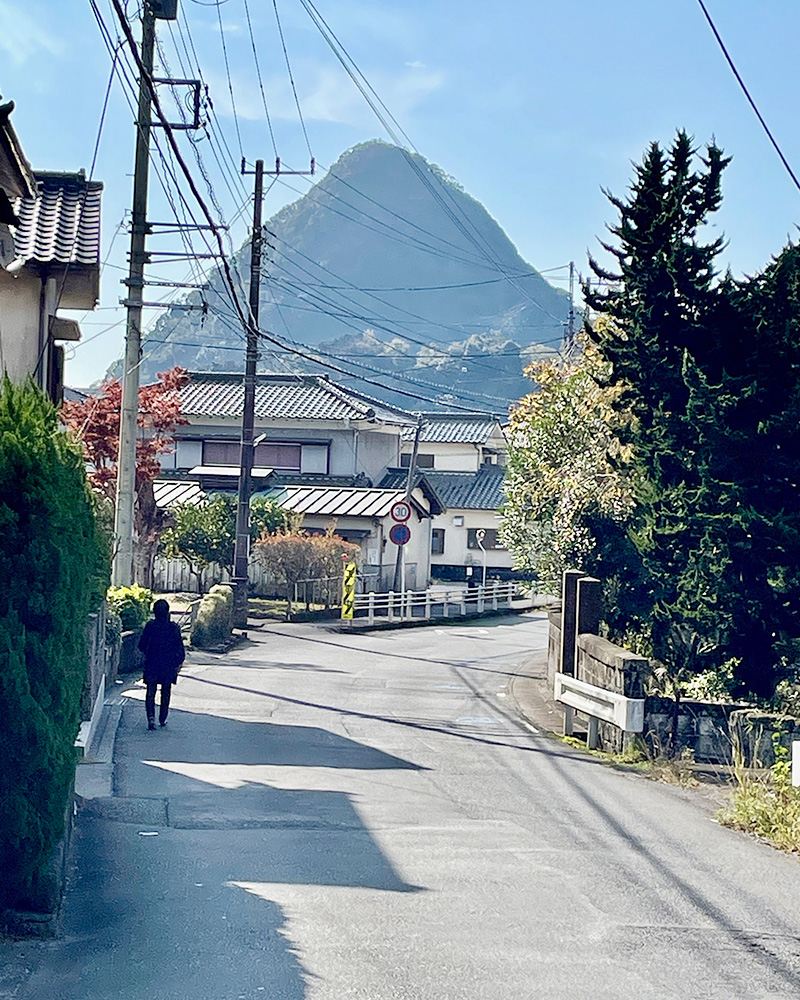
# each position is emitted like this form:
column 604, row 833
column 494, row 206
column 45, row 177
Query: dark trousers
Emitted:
column 150, row 702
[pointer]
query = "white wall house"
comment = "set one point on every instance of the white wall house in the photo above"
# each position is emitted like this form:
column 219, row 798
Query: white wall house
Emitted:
column 49, row 261
column 321, row 451
column 306, row 427
column 462, row 457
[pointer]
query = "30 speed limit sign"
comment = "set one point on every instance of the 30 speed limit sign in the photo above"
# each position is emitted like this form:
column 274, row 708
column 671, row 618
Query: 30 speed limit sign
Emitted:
column 401, row 510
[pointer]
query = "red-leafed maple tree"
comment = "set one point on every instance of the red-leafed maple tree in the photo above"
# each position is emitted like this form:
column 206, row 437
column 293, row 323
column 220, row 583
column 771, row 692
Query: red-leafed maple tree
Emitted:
column 95, row 422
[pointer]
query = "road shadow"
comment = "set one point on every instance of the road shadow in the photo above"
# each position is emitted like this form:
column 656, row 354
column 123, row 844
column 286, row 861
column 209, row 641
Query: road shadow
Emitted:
column 204, row 772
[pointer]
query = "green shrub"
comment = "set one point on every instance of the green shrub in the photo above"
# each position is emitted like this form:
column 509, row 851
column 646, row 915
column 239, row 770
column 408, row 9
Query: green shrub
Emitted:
column 132, row 604
column 55, row 566
column 214, row 621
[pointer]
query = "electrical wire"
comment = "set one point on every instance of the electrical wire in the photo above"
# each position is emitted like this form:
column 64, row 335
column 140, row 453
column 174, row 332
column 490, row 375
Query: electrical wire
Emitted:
column 230, row 81
column 260, row 79
column 291, row 77
column 747, row 94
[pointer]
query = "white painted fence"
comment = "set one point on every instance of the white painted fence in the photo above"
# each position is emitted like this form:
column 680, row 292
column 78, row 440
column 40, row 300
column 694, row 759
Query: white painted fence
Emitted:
column 436, row 602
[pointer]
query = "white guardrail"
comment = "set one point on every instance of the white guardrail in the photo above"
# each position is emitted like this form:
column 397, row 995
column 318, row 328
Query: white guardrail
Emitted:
column 608, row 706
column 436, row 602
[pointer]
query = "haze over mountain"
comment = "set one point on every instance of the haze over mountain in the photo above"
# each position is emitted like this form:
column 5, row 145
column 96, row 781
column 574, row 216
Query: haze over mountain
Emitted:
column 388, row 263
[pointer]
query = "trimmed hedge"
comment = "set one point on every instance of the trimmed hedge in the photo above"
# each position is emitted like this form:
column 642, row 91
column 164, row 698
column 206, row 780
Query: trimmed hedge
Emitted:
column 54, row 564
column 214, row 621
column 132, row 604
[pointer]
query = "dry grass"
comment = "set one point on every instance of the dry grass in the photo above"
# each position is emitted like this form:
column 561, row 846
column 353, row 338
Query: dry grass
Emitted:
column 766, row 807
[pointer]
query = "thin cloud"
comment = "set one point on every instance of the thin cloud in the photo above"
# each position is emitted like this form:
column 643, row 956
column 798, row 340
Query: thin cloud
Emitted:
column 22, row 35
column 331, row 97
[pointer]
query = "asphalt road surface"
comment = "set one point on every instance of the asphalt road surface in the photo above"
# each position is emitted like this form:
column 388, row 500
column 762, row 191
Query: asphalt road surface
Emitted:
column 333, row 817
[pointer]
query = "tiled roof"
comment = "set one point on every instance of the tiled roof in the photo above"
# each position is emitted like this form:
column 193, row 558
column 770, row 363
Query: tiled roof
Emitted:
column 62, row 225
column 337, row 501
column 467, row 428
column 278, row 397
column 482, row 490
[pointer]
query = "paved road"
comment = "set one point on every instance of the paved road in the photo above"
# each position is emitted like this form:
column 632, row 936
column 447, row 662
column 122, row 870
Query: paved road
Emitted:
column 333, row 817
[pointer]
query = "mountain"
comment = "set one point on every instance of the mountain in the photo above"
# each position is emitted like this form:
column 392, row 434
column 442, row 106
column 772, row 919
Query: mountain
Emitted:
column 386, row 262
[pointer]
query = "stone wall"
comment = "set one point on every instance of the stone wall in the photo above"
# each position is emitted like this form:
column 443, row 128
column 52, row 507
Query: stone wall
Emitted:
column 611, row 667
column 704, row 728
column 752, row 733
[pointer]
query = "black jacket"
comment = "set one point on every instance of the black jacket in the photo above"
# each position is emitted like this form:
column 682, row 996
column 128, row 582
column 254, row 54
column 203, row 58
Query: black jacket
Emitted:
column 162, row 645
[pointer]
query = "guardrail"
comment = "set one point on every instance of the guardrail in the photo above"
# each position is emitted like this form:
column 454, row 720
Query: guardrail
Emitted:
column 600, row 705
column 436, row 602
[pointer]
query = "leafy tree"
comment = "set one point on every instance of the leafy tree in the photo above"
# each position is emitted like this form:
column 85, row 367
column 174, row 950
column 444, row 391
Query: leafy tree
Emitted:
column 567, row 504
column 95, row 423
column 748, row 434
column 295, row 555
column 55, row 566
column 205, row 533
column 201, row 534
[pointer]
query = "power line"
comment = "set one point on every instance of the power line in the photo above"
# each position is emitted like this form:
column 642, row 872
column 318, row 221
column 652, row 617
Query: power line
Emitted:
column 746, row 92
column 291, row 77
column 230, row 81
column 260, row 80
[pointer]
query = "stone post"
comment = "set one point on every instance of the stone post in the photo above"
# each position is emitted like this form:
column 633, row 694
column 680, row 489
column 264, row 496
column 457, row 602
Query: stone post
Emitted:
column 569, row 634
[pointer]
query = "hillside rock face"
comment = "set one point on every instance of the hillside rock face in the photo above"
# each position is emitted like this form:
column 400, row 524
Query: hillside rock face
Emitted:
column 389, row 264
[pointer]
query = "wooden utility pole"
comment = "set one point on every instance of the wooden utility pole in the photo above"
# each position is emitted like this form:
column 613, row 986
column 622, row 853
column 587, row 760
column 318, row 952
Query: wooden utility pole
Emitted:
column 241, row 558
column 122, row 568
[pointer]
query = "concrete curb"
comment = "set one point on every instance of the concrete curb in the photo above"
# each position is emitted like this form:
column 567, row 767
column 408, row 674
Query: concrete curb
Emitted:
column 94, row 775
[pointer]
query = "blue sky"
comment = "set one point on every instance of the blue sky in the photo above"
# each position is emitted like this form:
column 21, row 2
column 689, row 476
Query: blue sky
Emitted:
column 533, row 107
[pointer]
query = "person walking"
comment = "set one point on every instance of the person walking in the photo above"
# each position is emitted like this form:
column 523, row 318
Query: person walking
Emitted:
column 162, row 645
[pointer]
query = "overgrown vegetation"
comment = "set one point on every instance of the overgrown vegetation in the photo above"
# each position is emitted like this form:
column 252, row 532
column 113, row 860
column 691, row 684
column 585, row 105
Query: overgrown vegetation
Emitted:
column 54, row 561
column 767, row 805
column 214, row 622
column 131, row 604
column 686, row 407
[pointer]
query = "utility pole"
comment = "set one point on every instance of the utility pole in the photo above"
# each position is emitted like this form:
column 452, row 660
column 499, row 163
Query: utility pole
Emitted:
column 571, row 320
column 241, row 552
column 241, row 556
column 122, row 570
column 399, row 565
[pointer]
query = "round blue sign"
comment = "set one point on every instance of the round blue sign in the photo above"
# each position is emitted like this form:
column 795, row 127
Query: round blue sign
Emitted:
column 400, row 534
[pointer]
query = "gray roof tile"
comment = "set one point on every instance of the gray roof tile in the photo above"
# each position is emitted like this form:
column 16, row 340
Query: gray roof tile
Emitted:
column 278, row 397
column 482, row 490
column 62, row 225
column 446, row 428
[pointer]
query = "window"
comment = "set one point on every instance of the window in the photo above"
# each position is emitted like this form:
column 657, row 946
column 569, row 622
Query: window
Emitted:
column 437, row 542
column 268, row 454
column 276, row 455
column 423, row 461
column 221, row 452
column 490, row 539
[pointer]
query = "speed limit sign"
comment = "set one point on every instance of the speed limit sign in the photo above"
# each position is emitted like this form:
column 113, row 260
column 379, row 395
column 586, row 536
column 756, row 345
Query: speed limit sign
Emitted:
column 401, row 510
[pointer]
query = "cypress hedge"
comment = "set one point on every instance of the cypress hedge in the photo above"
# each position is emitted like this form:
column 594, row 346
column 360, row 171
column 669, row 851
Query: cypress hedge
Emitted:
column 54, row 566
